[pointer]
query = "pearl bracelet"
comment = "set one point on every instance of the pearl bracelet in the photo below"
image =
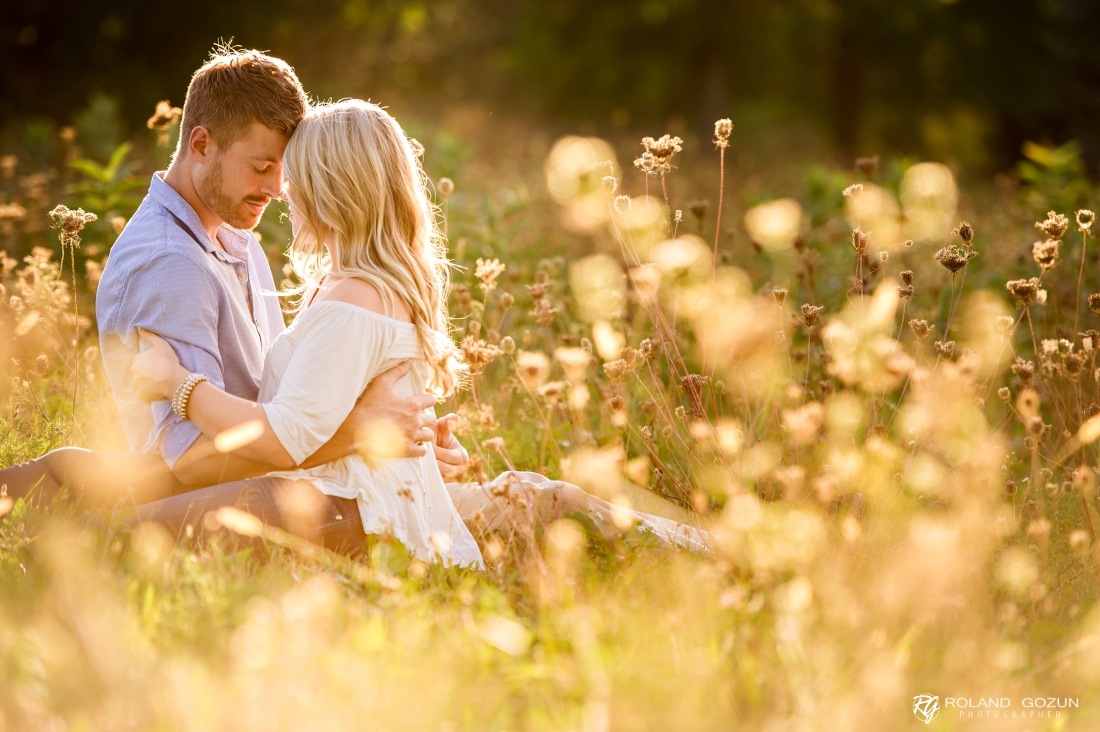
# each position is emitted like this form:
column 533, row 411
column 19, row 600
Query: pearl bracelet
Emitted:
column 182, row 397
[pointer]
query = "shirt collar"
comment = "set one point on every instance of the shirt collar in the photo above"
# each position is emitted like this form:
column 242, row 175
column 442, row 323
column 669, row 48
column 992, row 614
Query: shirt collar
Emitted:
column 170, row 198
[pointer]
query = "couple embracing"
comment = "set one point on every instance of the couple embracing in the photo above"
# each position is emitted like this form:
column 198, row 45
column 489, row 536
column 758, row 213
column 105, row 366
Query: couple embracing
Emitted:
column 194, row 344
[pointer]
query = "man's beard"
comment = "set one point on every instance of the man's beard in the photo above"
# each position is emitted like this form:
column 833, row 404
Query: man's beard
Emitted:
column 214, row 197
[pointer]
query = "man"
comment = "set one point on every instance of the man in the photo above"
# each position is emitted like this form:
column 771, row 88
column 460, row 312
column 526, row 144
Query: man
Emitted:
column 188, row 268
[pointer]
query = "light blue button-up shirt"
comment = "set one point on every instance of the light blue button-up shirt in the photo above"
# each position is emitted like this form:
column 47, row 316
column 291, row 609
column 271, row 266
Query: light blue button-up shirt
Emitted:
column 215, row 305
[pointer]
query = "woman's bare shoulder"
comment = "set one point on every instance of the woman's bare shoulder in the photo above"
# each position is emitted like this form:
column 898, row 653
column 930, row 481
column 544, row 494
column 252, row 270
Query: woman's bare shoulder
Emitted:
column 361, row 293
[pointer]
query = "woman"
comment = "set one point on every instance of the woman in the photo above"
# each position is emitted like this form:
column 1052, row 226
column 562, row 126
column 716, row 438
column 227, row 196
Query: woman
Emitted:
column 368, row 249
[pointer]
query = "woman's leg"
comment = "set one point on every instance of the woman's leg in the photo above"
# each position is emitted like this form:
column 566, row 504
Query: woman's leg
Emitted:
column 293, row 506
column 95, row 479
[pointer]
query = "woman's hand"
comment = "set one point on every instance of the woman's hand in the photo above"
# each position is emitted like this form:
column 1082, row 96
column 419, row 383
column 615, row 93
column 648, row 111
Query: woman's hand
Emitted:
column 157, row 371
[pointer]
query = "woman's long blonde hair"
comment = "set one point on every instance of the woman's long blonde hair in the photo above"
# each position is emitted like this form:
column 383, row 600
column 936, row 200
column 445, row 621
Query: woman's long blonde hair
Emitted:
column 356, row 176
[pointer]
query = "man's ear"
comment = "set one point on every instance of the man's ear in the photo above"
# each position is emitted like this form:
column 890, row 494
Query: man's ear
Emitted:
column 201, row 144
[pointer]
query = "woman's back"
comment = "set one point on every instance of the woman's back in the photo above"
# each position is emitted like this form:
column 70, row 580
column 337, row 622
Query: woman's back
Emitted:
column 313, row 375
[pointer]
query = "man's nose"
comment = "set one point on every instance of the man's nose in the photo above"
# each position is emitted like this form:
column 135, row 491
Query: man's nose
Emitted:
column 273, row 183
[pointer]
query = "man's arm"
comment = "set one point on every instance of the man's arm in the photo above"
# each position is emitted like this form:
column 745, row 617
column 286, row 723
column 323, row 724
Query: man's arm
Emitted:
column 203, row 465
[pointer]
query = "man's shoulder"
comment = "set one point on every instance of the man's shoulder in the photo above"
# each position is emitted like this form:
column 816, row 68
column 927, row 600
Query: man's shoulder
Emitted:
column 152, row 239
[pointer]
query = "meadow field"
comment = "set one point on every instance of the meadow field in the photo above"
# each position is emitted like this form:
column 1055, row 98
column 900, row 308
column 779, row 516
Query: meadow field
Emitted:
column 876, row 384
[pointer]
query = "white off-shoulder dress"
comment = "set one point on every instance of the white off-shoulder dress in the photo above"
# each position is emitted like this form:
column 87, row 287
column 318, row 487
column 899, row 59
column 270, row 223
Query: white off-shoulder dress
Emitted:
column 314, row 373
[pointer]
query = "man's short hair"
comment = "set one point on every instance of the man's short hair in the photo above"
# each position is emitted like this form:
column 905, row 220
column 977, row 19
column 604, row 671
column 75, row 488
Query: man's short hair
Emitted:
column 237, row 87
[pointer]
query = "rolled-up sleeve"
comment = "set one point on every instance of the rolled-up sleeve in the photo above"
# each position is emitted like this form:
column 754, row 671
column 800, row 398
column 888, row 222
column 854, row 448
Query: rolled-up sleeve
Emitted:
column 178, row 300
column 339, row 352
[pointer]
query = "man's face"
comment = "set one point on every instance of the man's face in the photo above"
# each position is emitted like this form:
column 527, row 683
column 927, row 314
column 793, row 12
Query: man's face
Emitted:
column 237, row 183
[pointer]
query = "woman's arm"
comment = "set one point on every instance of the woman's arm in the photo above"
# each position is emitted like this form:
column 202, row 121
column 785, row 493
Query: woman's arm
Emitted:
column 240, row 425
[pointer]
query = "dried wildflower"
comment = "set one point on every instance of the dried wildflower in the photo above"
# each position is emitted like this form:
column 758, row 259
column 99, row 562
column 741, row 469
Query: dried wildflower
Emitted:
column 860, row 240
column 646, row 163
column 906, row 291
column 622, row 205
column 946, row 350
column 884, row 257
column 70, row 222
column 1092, row 410
column 1074, row 363
column 1055, row 225
column 543, row 312
column 810, row 313
column 615, row 369
column 780, row 295
column 11, row 212
column 629, row 356
column 1085, row 219
column 662, row 150
column 645, row 349
column 494, row 444
column 609, row 184
column 868, row 165
column 1094, row 303
column 907, row 276
column 617, row 403
column 552, row 391
column 1023, row 290
column 1045, row 253
column 678, row 216
column 920, row 328
column 8, row 164
column 446, row 187
column 479, row 354
column 163, row 118
column 722, row 130
column 533, row 367
column 7, row 264
column 507, row 345
column 954, row 258
column 854, row 192
column 681, row 413
column 488, row 270
column 574, row 362
column 1003, row 324
column 692, row 385
column 965, row 232
column 1004, row 393
column 804, row 424
column 1024, row 370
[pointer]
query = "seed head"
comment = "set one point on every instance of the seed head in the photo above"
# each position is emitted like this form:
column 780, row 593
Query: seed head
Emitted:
column 920, row 328
column 1004, row 393
column 661, row 150
column 446, row 187
column 479, row 353
column 11, row 212
column 533, row 367
column 906, row 291
column 678, row 216
column 868, row 166
column 1054, row 226
column 1023, row 290
column 70, row 222
column 884, row 256
column 488, row 270
column 954, row 257
column 780, row 295
column 1045, row 253
column 908, row 243
column 610, row 184
column 1094, row 303
column 907, row 276
column 1085, row 219
column 163, row 118
column 622, row 205
column 1024, row 370
column 965, row 232
column 855, row 191
column 646, row 163
column 859, row 241
column 810, row 313
column 507, row 300
column 507, row 345
column 946, row 350
column 645, row 349
column 722, row 130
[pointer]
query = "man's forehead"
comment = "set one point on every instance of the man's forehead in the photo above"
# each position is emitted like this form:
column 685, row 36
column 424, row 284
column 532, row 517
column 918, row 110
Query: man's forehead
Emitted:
column 262, row 143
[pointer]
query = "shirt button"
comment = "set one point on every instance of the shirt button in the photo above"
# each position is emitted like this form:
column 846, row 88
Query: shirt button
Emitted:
column 240, row 276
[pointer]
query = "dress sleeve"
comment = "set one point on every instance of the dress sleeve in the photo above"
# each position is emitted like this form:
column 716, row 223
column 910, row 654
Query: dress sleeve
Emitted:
column 339, row 353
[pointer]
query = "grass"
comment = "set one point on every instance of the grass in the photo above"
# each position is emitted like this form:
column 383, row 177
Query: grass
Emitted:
column 890, row 521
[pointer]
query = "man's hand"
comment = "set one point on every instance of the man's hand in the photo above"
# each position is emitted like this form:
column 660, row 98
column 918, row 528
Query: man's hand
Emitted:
column 379, row 404
column 450, row 455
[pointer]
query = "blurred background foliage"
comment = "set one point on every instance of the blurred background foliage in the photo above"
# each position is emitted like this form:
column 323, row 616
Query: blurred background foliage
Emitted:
column 966, row 82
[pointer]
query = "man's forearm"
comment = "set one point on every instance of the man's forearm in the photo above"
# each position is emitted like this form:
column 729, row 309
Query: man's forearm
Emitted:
column 202, row 466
